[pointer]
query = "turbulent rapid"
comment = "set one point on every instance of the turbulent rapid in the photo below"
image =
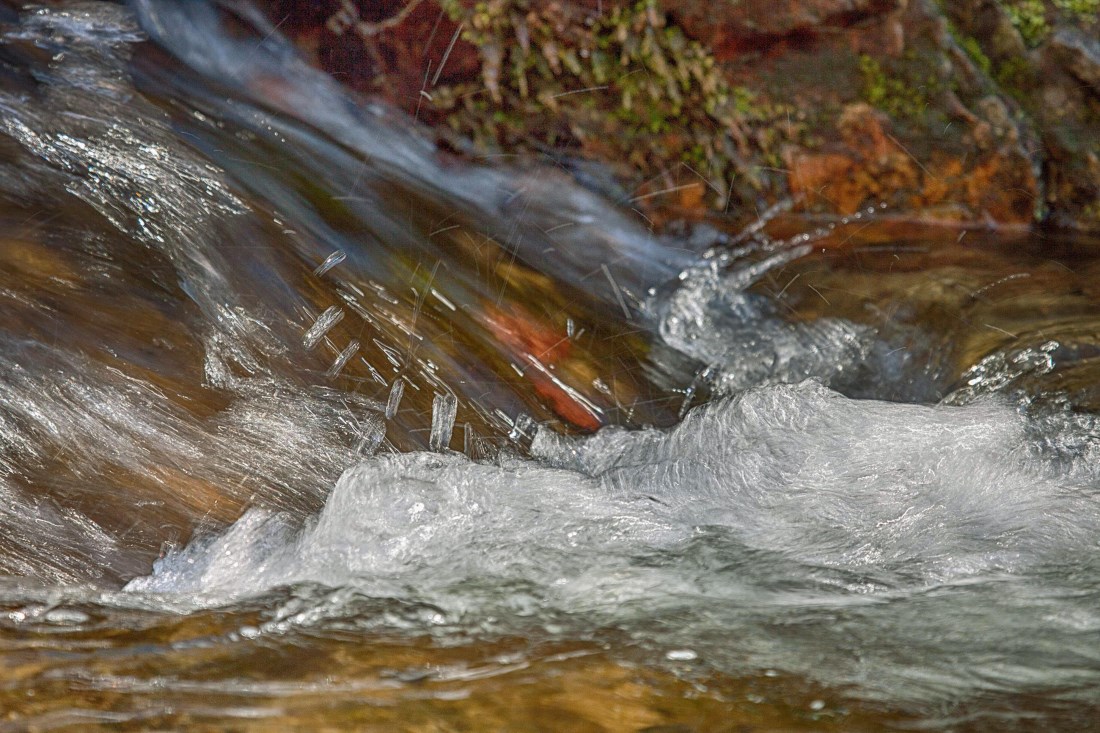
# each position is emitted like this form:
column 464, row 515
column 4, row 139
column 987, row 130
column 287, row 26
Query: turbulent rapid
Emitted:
column 304, row 421
column 887, row 531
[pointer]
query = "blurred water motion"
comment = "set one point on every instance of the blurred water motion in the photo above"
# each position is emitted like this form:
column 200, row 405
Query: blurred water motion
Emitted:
column 239, row 307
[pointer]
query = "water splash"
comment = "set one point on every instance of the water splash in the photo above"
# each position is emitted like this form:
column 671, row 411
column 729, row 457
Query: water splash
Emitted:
column 915, row 527
column 741, row 336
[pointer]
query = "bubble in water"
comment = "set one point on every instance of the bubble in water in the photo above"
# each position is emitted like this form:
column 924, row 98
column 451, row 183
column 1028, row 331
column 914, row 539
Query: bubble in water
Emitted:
column 681, row 655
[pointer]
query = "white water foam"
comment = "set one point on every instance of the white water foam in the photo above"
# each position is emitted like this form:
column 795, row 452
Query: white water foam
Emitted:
column 909, row 494
column 785, row 499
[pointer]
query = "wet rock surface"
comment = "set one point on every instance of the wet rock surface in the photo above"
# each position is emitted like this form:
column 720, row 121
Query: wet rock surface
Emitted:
column 978, row 111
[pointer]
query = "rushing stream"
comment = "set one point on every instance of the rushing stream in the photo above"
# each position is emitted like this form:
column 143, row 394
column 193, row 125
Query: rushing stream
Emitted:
column 307, row 423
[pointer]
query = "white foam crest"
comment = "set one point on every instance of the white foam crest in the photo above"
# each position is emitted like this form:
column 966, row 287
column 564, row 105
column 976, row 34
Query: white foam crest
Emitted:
column 906, row 496
column 711, row 317
column 762, row 530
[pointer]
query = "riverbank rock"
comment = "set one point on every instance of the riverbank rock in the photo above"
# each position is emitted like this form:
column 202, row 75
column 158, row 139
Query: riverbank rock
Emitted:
column 972, row 111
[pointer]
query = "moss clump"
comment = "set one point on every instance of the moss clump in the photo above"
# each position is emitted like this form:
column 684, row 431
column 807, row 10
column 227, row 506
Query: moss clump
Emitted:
column 621, row 86
column 1033, row 18
column 1083, row 10
column 1030, row 19
column 902, row 93
column 1016, row 76
column 977, row 55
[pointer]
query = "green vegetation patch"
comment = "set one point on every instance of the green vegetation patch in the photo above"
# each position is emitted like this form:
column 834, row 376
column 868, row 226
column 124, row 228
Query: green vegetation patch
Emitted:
column 1033, row 18
column 1030, row 19
column 905, row 89
column 1084, row 10
column 618, row 86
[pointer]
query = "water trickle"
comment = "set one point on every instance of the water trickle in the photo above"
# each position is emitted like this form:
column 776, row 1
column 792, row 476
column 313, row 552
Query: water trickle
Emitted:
column 397, row 390
column 330, row 262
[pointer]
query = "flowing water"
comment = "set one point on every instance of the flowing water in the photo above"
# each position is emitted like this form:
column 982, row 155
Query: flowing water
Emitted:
column 306, row 423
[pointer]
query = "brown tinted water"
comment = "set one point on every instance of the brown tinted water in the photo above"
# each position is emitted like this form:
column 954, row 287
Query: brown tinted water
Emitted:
column 176, row 219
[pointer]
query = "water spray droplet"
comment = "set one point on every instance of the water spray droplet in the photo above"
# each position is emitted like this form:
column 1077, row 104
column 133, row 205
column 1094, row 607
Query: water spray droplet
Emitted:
column 343, row 358
column 444, row 407
column 321, row 326
column 330, row 262
column 396, row 390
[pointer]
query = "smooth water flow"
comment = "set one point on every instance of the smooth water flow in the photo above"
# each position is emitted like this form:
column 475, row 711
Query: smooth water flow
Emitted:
column 285, row 387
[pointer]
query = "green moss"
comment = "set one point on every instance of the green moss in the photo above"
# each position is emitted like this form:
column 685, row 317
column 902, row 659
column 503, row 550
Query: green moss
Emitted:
column 1091, row 213
column 622, row 86
column 901, row 93
column 1084, row 10
column 1016, row 76
column 1032, row 18
column 1029, row 18
column 974, row 51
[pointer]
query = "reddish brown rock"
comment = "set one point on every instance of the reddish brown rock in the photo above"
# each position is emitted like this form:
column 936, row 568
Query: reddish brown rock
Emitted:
column 867, row 165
